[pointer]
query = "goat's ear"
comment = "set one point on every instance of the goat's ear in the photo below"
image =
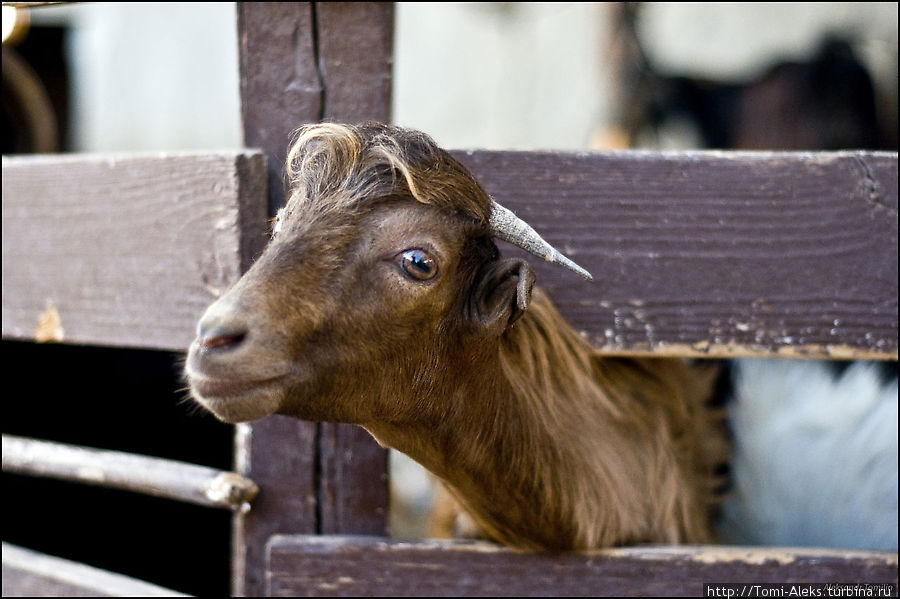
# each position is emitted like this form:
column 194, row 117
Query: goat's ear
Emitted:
column 501, row 294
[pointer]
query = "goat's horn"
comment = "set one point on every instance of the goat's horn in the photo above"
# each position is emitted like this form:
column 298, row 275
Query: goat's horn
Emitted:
column 510, row 228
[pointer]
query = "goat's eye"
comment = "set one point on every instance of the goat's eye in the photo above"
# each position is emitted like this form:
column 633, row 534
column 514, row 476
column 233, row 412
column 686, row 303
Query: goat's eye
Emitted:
column 418, row 264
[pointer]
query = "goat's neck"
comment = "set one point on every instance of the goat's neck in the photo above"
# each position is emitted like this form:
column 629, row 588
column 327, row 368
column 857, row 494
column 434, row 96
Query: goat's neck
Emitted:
column 523, row 441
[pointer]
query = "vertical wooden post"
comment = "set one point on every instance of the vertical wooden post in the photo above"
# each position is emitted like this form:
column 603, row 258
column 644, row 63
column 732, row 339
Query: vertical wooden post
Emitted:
column 280, row 84
column 356, row 54
column 301, row 63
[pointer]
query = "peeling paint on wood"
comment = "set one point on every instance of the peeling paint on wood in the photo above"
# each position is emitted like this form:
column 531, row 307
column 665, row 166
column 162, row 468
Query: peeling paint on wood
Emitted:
column 376, row 566
column 705, row 349
column 714, row 254
column 49, row 327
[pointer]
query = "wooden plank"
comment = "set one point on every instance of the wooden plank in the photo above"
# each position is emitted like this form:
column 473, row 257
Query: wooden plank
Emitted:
column 715, row 254
column 28, row 573
column 169, row 479
column 358, row 566
column 125, row 250
column 279, row 454
column 353, row 485
column 281, row 87
column 355, row 54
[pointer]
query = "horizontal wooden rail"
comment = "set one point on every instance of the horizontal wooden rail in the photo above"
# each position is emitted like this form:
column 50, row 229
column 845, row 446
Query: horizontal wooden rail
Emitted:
column 152, row 476
column 28, row 573
column 125, row 250
column 707, row 254
column 357, row 566
column 715, row 254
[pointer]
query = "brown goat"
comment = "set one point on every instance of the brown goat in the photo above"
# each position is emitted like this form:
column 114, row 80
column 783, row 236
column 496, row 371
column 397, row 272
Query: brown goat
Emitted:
column 382, row 301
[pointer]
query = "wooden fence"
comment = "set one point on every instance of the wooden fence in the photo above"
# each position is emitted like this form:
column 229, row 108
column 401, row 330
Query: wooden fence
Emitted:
column 704, row 254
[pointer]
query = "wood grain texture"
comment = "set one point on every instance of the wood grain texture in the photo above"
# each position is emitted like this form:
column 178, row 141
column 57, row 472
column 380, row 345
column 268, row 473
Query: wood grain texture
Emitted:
column 355, row 57
column 362, row 566
column 281, row 87
column 125, row 250
column 353, row 491
column 279, row 454
column 158, row 477
column 714, row 254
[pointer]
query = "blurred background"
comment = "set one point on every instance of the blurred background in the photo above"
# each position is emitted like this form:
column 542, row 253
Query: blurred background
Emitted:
column 146, row 76
column 111, row 77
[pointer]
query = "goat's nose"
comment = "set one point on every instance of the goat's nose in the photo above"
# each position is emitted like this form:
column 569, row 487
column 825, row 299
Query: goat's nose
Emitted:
column 220, row 338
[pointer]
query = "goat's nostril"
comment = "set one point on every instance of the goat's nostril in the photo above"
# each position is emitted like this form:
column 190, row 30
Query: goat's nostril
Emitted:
column 220, row 339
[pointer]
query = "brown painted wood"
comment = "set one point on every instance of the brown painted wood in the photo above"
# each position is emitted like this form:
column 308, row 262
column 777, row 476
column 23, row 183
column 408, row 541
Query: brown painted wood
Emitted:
column 281, row 86
column 278, row 453
column 363, row 566
column 356, row 53
column 125, row 250
column 715, row 254
column 280, row 90
column 353, row 497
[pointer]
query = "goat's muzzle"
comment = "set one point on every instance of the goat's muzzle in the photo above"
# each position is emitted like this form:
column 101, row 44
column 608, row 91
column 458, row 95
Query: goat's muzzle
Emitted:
column 231, row 372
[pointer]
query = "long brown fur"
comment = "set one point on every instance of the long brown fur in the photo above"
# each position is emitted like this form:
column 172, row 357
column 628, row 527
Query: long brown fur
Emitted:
column 580, row 451
column 633, row 435
column 546, row 443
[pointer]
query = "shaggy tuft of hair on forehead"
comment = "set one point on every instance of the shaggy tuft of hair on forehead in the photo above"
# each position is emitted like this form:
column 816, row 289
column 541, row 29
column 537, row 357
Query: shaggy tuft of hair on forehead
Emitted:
column 337, row 167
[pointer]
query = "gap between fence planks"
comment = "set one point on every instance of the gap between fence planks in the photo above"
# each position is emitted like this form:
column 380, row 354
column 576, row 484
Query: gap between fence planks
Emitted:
column 168, row 479
column 356, row 566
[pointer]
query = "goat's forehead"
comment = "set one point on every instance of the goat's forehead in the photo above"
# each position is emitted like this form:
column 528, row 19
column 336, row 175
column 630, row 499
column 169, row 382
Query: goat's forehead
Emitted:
column 339, row 168
column 411, row 215
column 396, row 209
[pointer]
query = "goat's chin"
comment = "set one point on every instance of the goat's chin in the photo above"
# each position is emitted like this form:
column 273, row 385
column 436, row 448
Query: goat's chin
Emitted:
column 239, row 405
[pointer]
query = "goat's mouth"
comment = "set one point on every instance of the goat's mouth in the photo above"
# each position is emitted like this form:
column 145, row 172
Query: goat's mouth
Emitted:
column 225, row 389
column 235, row 400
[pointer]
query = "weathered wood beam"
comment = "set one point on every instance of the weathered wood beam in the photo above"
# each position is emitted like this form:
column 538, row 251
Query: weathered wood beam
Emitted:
column 130, row 472
column 705, row 254
column 714, row 254
column 355, row 57
column 125, row 250
column 355, row 566
column 281, row 87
